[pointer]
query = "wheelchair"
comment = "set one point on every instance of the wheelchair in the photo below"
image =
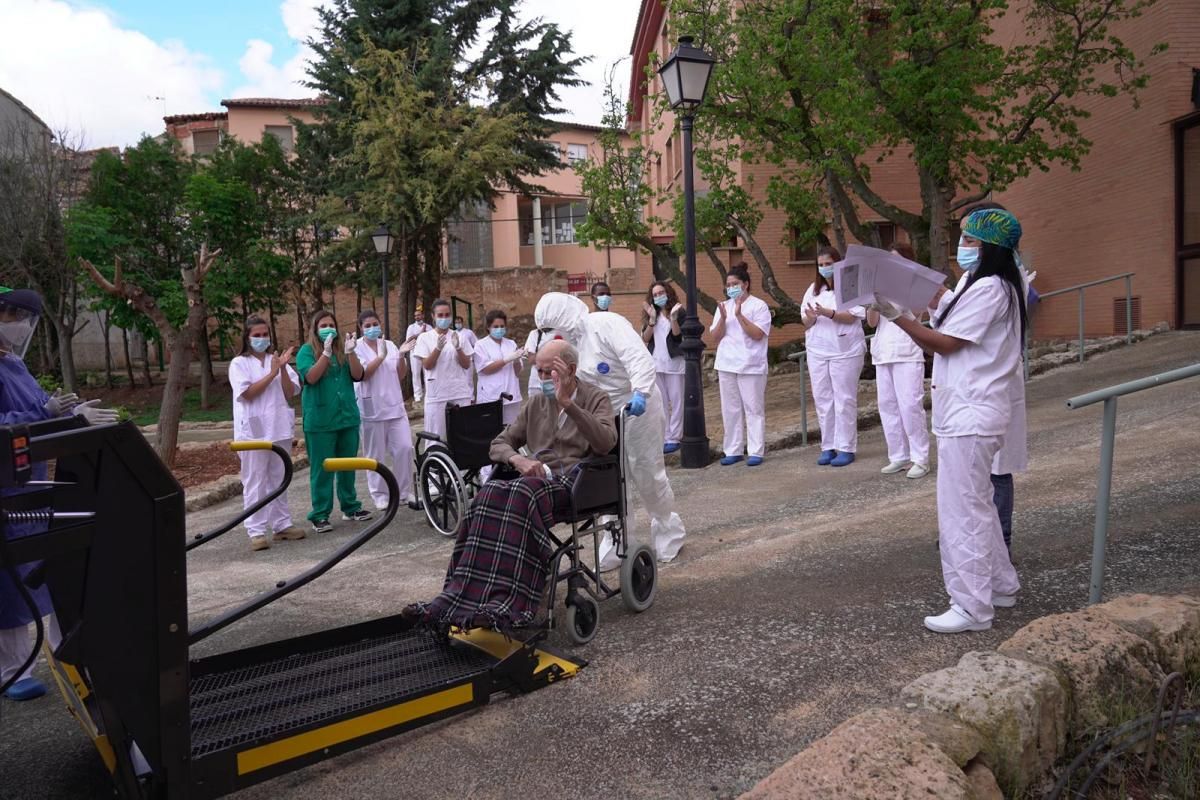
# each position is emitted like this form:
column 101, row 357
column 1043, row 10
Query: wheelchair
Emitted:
column 449, row 470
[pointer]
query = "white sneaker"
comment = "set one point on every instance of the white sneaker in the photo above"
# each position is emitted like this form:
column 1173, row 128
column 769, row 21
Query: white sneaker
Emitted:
column 918, row 471
column 955, row 620
column 1004, row 600
column 893, row 467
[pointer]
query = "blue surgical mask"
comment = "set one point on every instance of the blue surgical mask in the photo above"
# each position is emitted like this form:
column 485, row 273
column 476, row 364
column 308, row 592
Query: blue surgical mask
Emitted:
column 458, row 326
column 826, row 272
column 442, row 322
column 733, row 292
column 660, row 300
column 326, row 333
column 498, row 333
column 259, row 344
column 548, row 388
column 373, row 332
column 968, row 258
column 603, row 301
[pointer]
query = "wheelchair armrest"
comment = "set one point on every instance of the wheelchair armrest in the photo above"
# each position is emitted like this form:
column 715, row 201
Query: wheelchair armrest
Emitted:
column 429, row 437
column 597, row 487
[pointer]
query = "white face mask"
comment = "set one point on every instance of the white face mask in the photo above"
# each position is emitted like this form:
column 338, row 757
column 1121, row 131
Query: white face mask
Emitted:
column 968, row 257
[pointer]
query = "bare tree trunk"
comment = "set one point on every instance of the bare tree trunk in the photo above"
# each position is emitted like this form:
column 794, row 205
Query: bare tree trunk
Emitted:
column 146, row 362
column 206, row 371
column 271, row 321
column 171, row 410
column 128, row 359
column 66, row 356
column 102, row 320
column 935, row 199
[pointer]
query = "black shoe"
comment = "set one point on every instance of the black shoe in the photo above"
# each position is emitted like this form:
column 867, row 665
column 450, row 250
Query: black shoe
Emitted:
column 321, row 526
column 362, row 515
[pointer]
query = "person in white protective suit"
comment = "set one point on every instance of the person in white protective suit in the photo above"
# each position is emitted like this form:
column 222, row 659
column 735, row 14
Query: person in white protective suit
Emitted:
column 976, row 366
column 613, row 358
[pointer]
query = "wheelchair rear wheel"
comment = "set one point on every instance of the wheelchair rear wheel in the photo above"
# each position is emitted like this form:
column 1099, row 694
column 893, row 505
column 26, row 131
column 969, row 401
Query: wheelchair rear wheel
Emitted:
column 583, row 618
column 443, row 491
column 639, row 579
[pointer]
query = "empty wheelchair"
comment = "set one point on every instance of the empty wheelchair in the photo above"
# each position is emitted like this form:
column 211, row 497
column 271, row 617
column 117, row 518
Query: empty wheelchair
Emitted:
column 449, row 470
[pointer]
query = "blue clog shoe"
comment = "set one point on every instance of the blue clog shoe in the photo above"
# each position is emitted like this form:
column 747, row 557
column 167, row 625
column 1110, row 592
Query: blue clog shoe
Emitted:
column 826, row 457
column 26, row 689
column 842, row 460
column 670, row 447
column 754, row 461
column 727, row 460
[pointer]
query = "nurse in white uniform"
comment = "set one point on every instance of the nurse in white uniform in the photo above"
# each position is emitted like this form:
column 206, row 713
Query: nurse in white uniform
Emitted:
column 741, row 328
column 835, row 347
column 661, row 320
column 612, row 357
column 976, row 364
column 417, row 327
column 263, row 388
column 900, row 385
column 380, row 394
column 446, row 361
column 498, row 365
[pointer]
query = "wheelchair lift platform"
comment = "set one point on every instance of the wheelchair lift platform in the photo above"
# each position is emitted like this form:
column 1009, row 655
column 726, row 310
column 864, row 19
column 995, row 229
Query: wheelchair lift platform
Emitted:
column 265, row 711
column 172, row 726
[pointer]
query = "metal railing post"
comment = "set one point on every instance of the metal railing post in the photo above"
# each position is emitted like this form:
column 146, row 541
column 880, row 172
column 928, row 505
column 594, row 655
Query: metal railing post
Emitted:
column 1128, row 309
column 1103, row 493
column 1081, row 326
column 802, row 362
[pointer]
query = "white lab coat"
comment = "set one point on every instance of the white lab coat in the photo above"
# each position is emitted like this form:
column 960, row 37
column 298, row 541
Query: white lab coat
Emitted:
column 614, row 358
column 834, row 353
column 385, row 429
column 900, row 385
column 489, row 387
column 741, row 364
column 267, row 417
column 414, row 364
column 447, row 382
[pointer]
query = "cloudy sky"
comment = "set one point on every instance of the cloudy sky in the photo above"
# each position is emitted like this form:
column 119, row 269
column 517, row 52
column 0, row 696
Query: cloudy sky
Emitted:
column 111, row 70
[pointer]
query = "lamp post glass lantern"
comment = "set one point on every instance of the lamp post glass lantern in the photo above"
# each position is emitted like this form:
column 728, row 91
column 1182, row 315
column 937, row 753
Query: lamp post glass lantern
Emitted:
column 685, row 77
column 382, row 239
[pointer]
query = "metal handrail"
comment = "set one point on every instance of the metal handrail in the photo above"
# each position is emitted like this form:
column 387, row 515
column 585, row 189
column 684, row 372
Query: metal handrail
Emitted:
column 1128, row 278
column 1104, row 484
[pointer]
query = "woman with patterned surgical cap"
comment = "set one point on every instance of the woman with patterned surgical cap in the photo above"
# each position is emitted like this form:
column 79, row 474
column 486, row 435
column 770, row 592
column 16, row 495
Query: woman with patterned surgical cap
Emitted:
column 976, row 362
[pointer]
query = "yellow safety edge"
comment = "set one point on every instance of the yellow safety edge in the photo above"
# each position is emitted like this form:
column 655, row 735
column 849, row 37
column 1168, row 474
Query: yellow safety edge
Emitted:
column 347, row 464
column 499, row 646
column 241, row 447
column 73, row 689
column 302, row 744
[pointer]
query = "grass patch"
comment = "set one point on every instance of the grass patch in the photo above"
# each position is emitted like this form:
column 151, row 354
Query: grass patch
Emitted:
column 220, row 410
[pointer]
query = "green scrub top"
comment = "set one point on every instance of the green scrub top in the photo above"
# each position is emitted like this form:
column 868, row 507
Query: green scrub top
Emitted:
column 328, row 405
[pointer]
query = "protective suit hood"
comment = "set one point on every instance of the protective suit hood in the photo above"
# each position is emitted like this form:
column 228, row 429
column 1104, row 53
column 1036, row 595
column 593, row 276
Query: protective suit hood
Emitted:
column 563, row 312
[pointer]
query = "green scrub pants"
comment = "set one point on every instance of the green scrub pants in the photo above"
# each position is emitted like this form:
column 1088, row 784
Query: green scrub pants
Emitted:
column 331, row 444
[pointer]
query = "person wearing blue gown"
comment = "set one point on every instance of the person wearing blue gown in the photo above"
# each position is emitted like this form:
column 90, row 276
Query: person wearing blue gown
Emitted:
column 23, row 401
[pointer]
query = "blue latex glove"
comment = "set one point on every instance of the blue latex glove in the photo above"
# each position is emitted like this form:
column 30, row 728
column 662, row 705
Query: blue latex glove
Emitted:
column 637, row 405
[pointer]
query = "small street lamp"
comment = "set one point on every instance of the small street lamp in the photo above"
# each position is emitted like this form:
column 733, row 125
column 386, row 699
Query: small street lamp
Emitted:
column 685, row 77
column 382, row 239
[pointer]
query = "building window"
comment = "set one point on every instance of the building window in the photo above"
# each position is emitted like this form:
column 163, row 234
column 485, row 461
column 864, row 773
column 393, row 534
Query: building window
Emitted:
column 469, row 239
column 284, row 134
column 577, row 153
column 564, row 217
column 204, row 143
column 886, row 231
column 804, row 249
column 670, row 159
column 658, row 182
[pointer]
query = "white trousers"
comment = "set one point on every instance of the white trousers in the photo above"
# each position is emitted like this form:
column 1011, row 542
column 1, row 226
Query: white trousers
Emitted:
column 417, row 371
column 262, row 472
column 670, row 386
column 16, row 643
column 835, row 392
column 975, row 562
column 743, row 396
column 901, row 389
column 435, row 414
column 646, row 474
column 392, row 438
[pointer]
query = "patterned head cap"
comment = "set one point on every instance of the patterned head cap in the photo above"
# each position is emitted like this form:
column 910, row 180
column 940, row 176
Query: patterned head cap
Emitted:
column 993, row 226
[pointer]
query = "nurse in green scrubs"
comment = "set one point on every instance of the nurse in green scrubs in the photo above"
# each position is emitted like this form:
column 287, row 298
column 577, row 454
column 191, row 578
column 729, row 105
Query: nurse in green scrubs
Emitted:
column 328, row 369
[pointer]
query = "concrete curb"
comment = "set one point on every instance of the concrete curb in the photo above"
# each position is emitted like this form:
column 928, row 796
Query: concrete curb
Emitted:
column 1034, row 701
column 227, row 486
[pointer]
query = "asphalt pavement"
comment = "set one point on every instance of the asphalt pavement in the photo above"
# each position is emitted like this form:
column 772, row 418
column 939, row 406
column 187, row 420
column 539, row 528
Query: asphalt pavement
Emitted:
column 796, row 602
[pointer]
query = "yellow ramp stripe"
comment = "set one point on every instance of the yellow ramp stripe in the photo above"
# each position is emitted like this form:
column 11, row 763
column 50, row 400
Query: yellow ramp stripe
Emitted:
column 497, row 646
column 302, row 744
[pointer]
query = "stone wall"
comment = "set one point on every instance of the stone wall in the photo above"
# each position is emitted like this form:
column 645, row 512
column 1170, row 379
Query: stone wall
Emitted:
column 995, row 724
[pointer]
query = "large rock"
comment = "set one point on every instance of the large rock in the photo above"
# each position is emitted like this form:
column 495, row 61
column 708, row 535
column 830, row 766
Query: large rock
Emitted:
column 1020, row 708
column 880, row 754
column 1104, row 665
column 983, row 782
column 1170, row 623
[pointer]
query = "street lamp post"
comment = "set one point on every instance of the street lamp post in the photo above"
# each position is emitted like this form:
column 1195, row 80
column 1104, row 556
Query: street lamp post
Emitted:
column 382, row 239
column 685, row 77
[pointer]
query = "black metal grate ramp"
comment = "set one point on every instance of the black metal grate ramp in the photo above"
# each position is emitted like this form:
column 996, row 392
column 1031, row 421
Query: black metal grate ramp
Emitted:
column 269, row 699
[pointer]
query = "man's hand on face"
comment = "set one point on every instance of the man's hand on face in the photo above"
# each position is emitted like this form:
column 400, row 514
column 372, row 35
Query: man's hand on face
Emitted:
column 564, row 386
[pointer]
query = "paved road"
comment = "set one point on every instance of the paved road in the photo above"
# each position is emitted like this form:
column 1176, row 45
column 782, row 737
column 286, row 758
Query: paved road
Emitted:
column 796, row 602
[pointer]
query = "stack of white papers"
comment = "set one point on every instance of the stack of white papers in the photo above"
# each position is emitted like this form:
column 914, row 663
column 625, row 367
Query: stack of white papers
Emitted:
column 867, row 271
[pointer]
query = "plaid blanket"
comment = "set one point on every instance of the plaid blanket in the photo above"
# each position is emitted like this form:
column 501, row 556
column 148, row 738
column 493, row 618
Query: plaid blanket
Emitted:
column 498, row 570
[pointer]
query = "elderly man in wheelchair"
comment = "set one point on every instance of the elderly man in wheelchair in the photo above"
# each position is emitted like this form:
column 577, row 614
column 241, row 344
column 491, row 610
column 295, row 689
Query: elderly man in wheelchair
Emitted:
column 506, row 560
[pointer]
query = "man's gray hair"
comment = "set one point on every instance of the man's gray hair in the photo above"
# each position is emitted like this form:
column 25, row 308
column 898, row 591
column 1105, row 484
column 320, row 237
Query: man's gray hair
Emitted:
column 570, row 355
